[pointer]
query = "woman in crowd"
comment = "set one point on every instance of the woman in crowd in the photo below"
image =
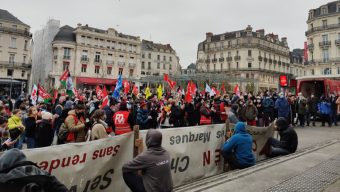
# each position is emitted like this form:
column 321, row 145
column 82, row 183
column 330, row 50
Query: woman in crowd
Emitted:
column 45, row 132
column 99, row 126
column 16, row 127
column 31, row 127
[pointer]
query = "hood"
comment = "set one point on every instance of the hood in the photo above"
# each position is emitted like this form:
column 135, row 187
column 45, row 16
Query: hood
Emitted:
column 72, row 112
column 153, row 138
column 240, row 127
column 10, row 158
column 282, row 124
column 68, row 104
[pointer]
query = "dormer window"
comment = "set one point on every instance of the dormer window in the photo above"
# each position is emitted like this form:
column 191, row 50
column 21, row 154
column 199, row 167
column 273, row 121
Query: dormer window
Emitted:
column 338, row 8
column 323, row 10
column 238, row 34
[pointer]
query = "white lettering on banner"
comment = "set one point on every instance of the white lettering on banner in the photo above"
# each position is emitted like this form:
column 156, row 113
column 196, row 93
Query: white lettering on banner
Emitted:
column 196, row 151
column 119, row 119
column 91, row 166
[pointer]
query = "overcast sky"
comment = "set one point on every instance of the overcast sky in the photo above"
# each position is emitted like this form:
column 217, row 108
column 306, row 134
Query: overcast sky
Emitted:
column 181, row 23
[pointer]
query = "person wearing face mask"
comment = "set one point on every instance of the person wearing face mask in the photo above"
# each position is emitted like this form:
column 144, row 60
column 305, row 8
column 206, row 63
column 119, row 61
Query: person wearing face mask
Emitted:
column 282, row 106
column 205, row 118
column 123, row 120
column 312, row 104
column 249, row 113
column 301, row 109
column 268, row 108
column 75, row 124
column 45, row 132
column 98, row 130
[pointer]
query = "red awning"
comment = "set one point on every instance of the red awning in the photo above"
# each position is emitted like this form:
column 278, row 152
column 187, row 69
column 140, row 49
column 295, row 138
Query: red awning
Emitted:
column 95, row 81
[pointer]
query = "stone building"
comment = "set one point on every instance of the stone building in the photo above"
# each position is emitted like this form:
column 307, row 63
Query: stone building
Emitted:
column 15, row 55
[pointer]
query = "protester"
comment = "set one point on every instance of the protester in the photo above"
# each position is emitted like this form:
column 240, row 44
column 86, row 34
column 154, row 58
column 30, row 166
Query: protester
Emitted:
column 325, row 111
column 312, row 104
column 31, row 127
column 150, row 171
column 249, row 113
column 45, row 132
column 19, row 174
column 237, row 150
column 143, row 117
column 206, row 114
column 282, row 106
column 74, row 125
column 301, row 109
column 16, row 127
column 123, row 120
column 288, row 139
column 98, row 130
column 232, row 114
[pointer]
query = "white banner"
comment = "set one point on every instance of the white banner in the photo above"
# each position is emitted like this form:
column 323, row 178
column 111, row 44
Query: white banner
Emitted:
column 196, row 151
column 91, row 166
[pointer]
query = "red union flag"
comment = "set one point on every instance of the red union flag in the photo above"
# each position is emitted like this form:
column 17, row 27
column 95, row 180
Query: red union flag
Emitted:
column 171, row 83
column 305, row 55
column 126, row 85
column 105, row 101
column 99, row 92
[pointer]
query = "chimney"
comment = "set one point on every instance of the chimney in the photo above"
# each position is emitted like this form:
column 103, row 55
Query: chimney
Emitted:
column 208, row 36
column 79, row 25
column 284, row 41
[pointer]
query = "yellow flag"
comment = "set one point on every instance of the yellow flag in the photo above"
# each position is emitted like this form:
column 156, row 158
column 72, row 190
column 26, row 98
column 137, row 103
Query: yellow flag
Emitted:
column 147, row 92
column 159, row 91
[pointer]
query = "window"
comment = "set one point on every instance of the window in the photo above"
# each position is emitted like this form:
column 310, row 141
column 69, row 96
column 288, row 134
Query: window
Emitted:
column 164, row 58
column 170, row 58
column 327, row 71
column 97, row 57
column 249, row 53
column 65, row 65
column 149, row 56
column 109, row 70
column 323, row 11
column 249, row 65
column 170, row 66
column 338, row 70
column 325, row 38
column 149, row 65
column 84, row 55
column 163, row 65
column 24, row 59
column 324, row 23
column 143, row 56
column 25, row 46
column 82, row 41
column 14, row 27
column 158, row 65
column 9, row 72
column 143, row 65
column 96, row 69
column 67, row 53
column 11, row 58
column 236, row 53
column 236, row 65
column 325, row 55
column 83, row 68
column 120, row 71
column 158, row 57
column 23, row 73
column 131, row 73
column 13, row 42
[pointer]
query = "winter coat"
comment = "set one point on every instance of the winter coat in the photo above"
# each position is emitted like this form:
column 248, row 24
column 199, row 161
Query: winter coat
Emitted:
column 301, row 106
column 14, row 122
column 98, row 130
column 312, row 104
column 288, row 139
column 240, row 144
column 268, row 105
column 45, row 133
column 31, row 127
column 249, row 112
column 154, row 163
column 142, row 118
column 16, row 173
column 177, row 116
column 282, row 106
column 77, row 129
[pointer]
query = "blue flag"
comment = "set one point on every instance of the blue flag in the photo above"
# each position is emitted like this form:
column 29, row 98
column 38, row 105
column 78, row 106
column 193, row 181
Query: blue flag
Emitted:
column 118, row 87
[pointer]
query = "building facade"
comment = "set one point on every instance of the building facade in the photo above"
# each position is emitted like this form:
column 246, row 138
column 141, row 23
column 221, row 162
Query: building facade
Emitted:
column 42, row 52
column 297, row 63
column 158, row 59
column 190, row 70
column 94, row 56
column 15, row 55
column 245, row 54
column 323, row 38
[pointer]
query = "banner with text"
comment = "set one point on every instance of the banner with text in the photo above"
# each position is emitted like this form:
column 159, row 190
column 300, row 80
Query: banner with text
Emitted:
column 91, row 166
column 196, row 151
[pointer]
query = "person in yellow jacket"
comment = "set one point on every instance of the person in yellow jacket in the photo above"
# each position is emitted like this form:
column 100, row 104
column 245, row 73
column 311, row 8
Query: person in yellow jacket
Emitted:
column 15, row 126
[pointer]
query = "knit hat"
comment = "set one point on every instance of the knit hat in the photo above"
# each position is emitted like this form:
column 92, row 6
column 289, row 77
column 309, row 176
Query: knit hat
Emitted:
column 46, row 115
column 68, row 104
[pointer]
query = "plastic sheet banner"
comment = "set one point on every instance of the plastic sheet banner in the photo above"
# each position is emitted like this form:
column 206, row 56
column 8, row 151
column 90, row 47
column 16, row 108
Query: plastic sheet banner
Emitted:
column 196, row 151
column 90, row 166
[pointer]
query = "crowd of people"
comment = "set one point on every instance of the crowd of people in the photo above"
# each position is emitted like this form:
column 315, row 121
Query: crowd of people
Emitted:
column 77, row 120
column 86, row 118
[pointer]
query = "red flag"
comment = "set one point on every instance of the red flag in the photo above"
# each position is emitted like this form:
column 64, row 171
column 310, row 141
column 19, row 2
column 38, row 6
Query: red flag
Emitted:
column 171, row 83
column 126, row 85
column 237, row 90
column 135, row 90
column 190, row 91
column 305, row 55
column 166, row 77
column 215, row 90
column 43, row 95
column 76, row 93
column 64, row 76
column 105, row 101
column 223, row 89
column 55, row 96
column 99, row 92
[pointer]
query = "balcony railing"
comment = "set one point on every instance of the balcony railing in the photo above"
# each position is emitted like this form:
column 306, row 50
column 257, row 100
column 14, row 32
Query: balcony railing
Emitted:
column 237, row 58
column 270, row 61
column 67, row 57
column 15, row 31
column 325, row 44
column 97, row 60
column 265, row 59
column 84, row 59
column 109, row 62
column 15, row 64
column 260, row 58
column 221, row 59
column 275, row 61
column 324, row 60
column 122, row 64
column 322, row 28
column 214, row 60
column 207, row 60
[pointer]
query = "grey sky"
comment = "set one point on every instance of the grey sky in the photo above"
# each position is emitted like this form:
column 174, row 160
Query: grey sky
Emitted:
column 182, row 23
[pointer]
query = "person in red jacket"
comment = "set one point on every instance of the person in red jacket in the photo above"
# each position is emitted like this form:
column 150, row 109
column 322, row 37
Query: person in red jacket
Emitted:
column 205, row 118
column 122, row 120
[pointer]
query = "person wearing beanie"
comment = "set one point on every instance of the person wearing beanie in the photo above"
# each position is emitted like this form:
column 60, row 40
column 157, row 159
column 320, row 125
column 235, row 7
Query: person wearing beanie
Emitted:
column 153, row 164
column 288, row 139
column 45, row 132
column 237, row 150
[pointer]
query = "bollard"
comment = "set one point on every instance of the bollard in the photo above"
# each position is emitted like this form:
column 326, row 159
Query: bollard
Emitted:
column 138, row 143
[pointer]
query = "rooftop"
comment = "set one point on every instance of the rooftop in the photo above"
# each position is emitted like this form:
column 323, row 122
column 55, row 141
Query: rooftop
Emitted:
column 7, row 16
column 65, row 34
column 151, row 46
column 332, row 8
column 86, row 27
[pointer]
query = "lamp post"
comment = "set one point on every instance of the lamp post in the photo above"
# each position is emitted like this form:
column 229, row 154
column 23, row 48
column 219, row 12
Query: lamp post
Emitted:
column 11, row 84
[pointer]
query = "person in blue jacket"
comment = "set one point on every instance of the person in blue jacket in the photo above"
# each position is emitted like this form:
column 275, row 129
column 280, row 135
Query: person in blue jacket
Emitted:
column 238, row 149
column 324, row 108
column 282, row 106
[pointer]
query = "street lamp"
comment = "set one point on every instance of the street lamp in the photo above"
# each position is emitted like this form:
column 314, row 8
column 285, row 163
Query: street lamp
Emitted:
column 10, row 88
